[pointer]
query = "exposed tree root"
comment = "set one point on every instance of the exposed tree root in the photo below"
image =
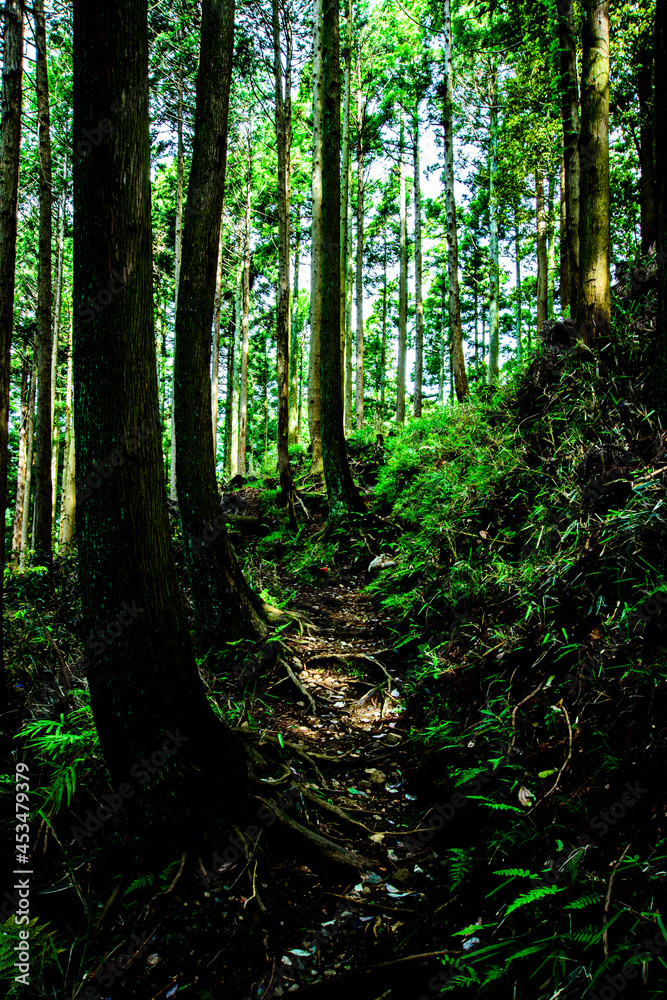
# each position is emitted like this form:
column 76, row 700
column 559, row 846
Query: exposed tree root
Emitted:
column 332, row 851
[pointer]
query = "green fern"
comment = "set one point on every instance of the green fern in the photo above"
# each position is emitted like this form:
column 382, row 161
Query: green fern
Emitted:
column 532, row 897
column 460, row 865
column 583, row 901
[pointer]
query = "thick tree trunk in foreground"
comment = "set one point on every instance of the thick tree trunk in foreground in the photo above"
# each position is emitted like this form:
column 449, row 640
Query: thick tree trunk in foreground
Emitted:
column 225, row 607
column 541, row 219
column 10, row 145
column 44, row 487
column 29, row 450
column 342, row 494
column 594, row 309
column 402, row 283
column 570, row 117
column 147, row 696
column 456, row 332
column 316, row 250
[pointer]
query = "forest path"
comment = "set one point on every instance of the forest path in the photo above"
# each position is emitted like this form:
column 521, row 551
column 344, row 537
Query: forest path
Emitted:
column 371, row 931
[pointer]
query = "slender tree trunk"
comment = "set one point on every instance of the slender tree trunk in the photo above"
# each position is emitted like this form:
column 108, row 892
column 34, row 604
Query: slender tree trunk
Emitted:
column 21, row 466
column 383, row 346
column 44, row 487
column 225, row 606
column 564, row 290
column 215, row 360
column 342, row 493
column 68, row 494
column 146, row 692
column 54, row 352
column 570, row 118
column 419, row 305
column 10, row 145
column 458, row 360
column 294, row 345
column 594, row 310
column 443, row 327
column 235, row 370
column 494, row 296
column 541, row 218
column 659, row 375
column 178, row 250
column 551, row 249
column 402, row 283
column 349, row 364
column 30, row 447
column 231, row 453
column 266, row 400
column 245, row 321
column 646, row 149
column 283, row 141
column 346, row 55
column 517, row 255
column 360, row 249
column 316, row 251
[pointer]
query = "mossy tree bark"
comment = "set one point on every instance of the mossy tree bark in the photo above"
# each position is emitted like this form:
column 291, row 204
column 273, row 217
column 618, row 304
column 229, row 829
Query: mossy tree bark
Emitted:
column 542, row 263
column 659, row 104
column 342, row 494
column 402, row 280
column 144, row 684
column 594, row 307
column 494, row 278
column 225, row 606
column 361, row 185
column 10, row 145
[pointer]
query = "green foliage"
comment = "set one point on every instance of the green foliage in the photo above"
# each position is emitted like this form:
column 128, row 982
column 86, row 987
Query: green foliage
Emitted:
column 70, row 748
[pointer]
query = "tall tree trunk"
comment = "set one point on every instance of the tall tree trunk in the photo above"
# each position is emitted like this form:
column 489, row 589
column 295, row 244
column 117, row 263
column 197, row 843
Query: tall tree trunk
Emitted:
column 30, row 448
column 360, row 248
column 235, row 370
column 215, row 358
column 419, row 305
column 21, row 466
column 245, row 321
column 517, row 255
column 294, row 344
column 146, row 693
column 646, row 147
column 570, row 118
column 10, row 145
column 349, row 365
column 551, row 244
column 341, row 492
column 659, row 376
column 383, row 346
column 68, row 494
column 402, row 283
column 316, row 252
column 541, row 220
column 494, row 291
column 231, row 441
column 283, row 111
column 564, row 289
column 594, row 310
column 346, row 55
column 54, row 352
column 178, row 250
column 225, row 606
column 44, row 487
column 458, row 360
